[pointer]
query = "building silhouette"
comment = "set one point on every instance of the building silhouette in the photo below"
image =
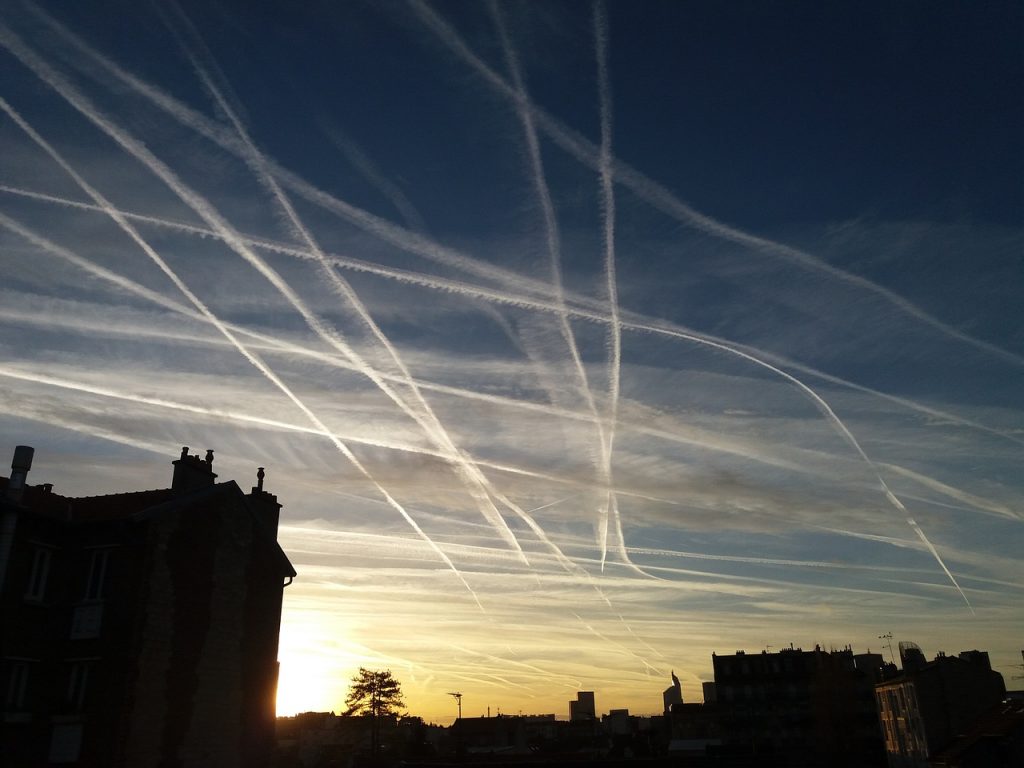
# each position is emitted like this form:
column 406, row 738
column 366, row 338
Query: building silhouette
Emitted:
column 583, row 707
column 800, row 708
column 931, row 703
column 141, row 628
column 673, row 694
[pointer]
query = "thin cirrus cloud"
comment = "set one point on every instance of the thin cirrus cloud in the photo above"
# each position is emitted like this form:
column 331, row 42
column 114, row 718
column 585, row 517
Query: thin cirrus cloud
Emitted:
column 538, row 425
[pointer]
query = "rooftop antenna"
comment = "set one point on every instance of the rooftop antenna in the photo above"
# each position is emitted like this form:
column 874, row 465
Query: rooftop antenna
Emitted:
column 888, row 638
column 458, row 698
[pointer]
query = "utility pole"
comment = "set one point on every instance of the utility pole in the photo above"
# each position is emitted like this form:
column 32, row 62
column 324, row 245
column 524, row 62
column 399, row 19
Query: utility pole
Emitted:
column 458, row 698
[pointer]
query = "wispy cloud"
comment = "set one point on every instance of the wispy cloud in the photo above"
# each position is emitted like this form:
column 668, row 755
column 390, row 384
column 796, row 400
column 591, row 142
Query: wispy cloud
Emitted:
column 490, row 419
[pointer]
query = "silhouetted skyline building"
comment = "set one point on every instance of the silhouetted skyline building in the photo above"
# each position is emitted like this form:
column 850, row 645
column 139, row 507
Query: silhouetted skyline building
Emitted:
column 583, row 708
column 140, row 629
column 930, row 703
column 673, row 694
column 806, row 708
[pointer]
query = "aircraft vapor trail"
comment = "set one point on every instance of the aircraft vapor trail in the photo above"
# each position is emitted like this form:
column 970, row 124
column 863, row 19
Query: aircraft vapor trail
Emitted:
column 139, row 290
column 662, row 329
column 572, row 142
column 380, row 227
column 425, row 416
column 638, row 324
column 383, row 229
column 362, row 163
column 664, row 200
column 66, row 91
column 517, row 93
column 608, row 640
column 604, row 91
column 554, row 248
column 162, row 301
column 45, row 73
column 826, row 409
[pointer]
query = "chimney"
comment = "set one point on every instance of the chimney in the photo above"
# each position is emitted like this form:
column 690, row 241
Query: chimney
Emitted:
column 191, row 472
column 20, row 466
column 265, row 504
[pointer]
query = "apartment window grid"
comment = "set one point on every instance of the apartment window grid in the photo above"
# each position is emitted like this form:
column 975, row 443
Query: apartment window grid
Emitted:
column 35, row 590
column 17, row 685
column 96, row 583
column 78, row 681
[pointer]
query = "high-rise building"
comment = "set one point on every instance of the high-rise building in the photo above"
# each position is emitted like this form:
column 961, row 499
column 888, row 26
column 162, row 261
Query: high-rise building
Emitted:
column 672, row 695
column 139, row 629
column 583, row 708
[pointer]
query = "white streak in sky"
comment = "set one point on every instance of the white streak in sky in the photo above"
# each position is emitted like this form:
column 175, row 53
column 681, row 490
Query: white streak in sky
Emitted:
column 391, row 192
column 554, row 248
column 206, row 211
column 424, row 416
column 636, row 323
column 604, row 91
column 381, row 228
column 202, row 207
column 662, row 199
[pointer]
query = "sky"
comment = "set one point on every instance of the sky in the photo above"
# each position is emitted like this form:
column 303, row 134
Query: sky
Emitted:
column 578, row 341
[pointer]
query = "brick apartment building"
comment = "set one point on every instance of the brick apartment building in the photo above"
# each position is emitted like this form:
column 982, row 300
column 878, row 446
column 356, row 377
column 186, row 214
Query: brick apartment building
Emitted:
column 139, row 629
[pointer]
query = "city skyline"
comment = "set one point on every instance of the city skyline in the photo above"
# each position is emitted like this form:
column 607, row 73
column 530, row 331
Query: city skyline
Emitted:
column 576, row 341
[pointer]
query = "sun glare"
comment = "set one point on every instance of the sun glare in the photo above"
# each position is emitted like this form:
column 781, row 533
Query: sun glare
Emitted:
column 314, row 674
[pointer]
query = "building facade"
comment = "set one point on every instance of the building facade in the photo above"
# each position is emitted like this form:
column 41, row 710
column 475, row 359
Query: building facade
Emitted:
column 801, row 708
column 140, row 629
column 931, row 703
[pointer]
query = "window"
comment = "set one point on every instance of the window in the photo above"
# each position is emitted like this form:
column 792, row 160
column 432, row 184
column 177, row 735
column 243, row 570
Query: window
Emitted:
column 36, row 588
column 97, row 574
column 77, row 682
column 17, row 683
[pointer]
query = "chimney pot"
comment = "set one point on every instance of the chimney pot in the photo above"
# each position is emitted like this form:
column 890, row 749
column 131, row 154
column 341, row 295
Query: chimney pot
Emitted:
column 20, row 466
column 209, row 456
column 260, row 474
column 23, row 457
column 184, row 452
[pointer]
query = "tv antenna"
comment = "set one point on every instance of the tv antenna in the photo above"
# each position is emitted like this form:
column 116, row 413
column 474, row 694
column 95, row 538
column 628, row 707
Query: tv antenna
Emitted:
column 888, row 638
column 458, row 699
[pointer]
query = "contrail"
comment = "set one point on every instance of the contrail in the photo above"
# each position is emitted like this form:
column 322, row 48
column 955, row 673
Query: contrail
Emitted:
column 553, row 241
column 608, row 640
column 82, row 105
column 662, row 199
column 975, row 502
column 391, row 192
column 320, row 429
column 381, row 228
column 826, row 409
column 572, row 142
column 13, row 44
column 276, row 344
column 629, row 325
column 604, row 91
column 426, row 418
column 517, row 301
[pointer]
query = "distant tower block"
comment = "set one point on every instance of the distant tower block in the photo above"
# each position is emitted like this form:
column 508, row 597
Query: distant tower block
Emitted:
column 583, row 708
column 673, row 694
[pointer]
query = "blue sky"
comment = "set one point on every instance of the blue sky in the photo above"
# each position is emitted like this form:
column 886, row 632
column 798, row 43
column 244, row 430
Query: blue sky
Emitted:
column 578, row 341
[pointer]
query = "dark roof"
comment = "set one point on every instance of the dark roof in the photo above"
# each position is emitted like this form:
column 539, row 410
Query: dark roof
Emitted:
column 138, row 506
column 1003, row 720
